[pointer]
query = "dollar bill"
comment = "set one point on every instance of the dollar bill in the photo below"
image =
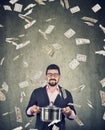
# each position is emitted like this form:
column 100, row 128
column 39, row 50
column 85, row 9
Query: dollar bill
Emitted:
column 102, row 94
column 18, row 114
column 2, row 96
column 79, row 122
column 74, row 64
column 69, row 33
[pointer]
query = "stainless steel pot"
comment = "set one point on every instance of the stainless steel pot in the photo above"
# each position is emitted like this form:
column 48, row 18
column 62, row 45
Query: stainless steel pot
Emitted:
column 50, row 113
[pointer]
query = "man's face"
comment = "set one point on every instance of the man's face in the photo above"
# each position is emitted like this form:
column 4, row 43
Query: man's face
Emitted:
column 52, row 77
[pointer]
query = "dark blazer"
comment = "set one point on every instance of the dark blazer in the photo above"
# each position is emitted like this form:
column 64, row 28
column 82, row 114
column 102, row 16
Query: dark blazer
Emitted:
column 40, row 98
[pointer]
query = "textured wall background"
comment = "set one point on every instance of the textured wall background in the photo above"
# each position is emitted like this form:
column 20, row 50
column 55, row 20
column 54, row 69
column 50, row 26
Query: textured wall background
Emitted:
column 29, row 63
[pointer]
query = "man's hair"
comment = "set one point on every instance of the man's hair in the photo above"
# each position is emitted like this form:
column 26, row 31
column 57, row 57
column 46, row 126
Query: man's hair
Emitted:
column 53, row 66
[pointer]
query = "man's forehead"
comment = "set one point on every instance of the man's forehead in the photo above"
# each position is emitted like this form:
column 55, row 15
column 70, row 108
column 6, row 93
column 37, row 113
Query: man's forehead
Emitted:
column 52, row 70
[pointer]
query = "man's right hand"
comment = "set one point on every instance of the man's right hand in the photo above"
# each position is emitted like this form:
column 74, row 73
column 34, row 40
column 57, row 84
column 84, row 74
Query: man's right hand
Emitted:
column 35, row 109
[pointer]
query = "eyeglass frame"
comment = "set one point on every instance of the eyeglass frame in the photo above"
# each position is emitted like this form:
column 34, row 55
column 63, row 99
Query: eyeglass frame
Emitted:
column 53, row 74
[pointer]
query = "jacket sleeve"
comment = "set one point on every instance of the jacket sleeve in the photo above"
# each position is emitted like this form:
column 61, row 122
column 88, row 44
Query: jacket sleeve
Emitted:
column 70, row 100
column 32, row 102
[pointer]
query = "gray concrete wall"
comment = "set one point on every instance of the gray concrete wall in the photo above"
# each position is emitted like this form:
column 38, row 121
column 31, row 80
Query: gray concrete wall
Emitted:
column 35, row 57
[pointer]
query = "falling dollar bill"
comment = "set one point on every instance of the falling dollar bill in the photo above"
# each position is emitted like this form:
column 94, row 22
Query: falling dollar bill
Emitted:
column 7, row 7
column 69, row 33
column 7, row 113
column 24, row 17
column 16, row 57
column 102, row 28
column 80, row 88
column 49, row 50
column 25, row 64
column 57, row 46
column 89, row 23
column 49, row 19
column 96, row 8
column 22, row 96
column 89, row 19
column 27, row 124
column 103, row 116
column 2, row 96
column 55, row 127
column 49, row 29
column 102, row 94
column 23, row 84
column 4, row 86
column 21, row 35
column 73, row 104
column 81, row 41
column 18, row 7
column 1, row 26
column 101, row 52
column 89, row 103
column 64, row 93
column 29, row 24
column 40, row 2
column 81, row 57
column 66, row 4
column 53, row 122
column 21, row 45
column 74, row 64
column 18, row 128
column 29, row 6
column 102, row 82
column 27, row 13
column 62, row 3
column 18, row 114
column 43, row 34
column 13, row 1
column 75, row 9
column 79, row 122
column 2, row 60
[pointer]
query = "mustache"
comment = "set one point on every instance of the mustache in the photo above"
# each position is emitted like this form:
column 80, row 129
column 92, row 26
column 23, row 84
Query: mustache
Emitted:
column 53, row 79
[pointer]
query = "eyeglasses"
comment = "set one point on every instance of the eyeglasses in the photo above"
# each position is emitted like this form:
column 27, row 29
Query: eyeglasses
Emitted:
column 52, row 74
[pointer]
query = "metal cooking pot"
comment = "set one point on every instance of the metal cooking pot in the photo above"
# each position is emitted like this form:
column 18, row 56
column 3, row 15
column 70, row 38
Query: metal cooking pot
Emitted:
column 50, row 113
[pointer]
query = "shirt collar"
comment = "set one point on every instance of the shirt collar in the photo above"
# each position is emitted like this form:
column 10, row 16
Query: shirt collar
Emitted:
column 57, row 88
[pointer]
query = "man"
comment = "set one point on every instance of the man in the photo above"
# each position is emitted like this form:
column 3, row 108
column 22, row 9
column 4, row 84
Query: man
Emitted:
column 52, row 92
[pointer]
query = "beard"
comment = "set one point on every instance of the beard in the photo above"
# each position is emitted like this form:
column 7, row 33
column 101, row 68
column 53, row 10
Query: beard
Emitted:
column 52, row 82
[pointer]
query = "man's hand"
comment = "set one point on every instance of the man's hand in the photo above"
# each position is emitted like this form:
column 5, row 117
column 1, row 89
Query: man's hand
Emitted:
column 67, row 111
column 35, row 109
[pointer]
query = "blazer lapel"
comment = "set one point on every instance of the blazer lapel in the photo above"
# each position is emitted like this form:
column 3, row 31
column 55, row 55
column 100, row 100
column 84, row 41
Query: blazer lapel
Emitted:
column 59, row 99
column 46, row 98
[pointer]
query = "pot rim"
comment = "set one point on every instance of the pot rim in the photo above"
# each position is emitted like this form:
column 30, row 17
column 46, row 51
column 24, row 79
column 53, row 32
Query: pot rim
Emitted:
column 52, row 108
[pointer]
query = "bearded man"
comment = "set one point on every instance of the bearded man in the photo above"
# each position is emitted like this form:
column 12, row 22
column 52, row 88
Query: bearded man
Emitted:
column 52, row 92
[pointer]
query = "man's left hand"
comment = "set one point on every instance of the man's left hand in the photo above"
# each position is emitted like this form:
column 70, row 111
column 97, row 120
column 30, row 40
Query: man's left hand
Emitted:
column 67, row 111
